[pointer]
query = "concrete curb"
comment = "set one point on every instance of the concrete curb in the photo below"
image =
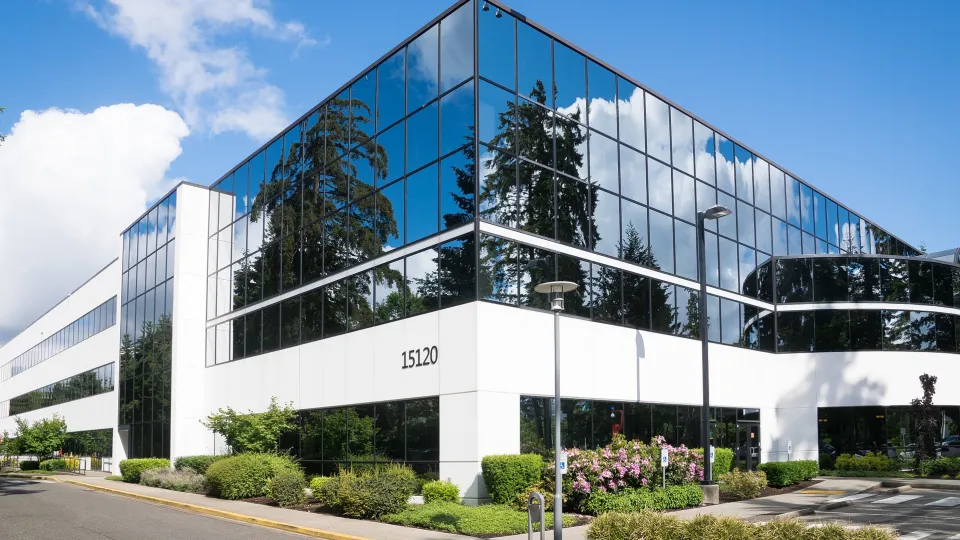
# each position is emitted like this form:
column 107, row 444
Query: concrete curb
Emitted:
column 921, row 485
column 795, row 513
column 832, row 506
column 197, row 509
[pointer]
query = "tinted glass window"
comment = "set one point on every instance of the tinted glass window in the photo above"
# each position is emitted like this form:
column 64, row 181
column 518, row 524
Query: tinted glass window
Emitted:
column 866, row 333
column 569, row 70
column 636, row 301
column 423, row 63
column 943, row 284
column 496, row 48
column 894, row 280
column 793, row 278
column 630, row 111
column 832, row 330
column 391, row 144
column 457, row 189
column 728, row 225
column 706, row 197
column 458, row 269
column 764, row 234
column 456, row 47
column 830, row 280
column 422, row 148
column 681, row 134
column 602, row 98
column 795, row 331
column 603, row 162
column 778, row 193
column 606, row 234
column 661, row 241
column 793, row 237
column 422, row 191
column 685, row 238
column 456, row 111
column 761, row 183
column 748, row 276
column 745, row 223
column 806, row 212
column 744, row 173
column 658, row 128
column 731, row 322
column 659, row 184
column 497, row 110
column 725, row 165
column 633, row 174
column 897, row 331
column 390, row 97
column 421, row 269
column 921, row 282
column 704, row 152
column 684, row 198
column 923, row 330
column 864, row 277
column 946, row 332
column 729, row 265
column 534, row 63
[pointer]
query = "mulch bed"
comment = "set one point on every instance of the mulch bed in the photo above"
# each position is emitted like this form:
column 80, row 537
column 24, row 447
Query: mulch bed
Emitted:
column 310, row 505
column 770, row 491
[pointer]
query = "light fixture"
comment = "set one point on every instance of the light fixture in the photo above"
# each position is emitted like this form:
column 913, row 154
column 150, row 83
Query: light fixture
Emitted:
column 716, row 211
column 498, row 15
column 486, row 7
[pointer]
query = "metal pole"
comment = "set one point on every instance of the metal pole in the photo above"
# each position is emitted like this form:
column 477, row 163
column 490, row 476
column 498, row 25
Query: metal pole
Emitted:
column 704, row 344
column 558, row 488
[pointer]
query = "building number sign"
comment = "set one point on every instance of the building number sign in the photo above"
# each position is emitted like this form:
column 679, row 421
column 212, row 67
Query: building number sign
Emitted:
column 426, row 356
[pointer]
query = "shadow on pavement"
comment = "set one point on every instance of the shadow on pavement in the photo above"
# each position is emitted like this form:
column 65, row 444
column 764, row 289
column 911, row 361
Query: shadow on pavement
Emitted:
column 18, row 487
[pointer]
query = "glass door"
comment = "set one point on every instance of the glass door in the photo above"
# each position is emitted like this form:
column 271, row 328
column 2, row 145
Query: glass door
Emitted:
column 747, row 453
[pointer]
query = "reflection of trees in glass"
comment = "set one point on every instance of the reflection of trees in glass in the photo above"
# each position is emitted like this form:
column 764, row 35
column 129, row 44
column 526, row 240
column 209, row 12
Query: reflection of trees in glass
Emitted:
column 147, row 362
column 536, row 425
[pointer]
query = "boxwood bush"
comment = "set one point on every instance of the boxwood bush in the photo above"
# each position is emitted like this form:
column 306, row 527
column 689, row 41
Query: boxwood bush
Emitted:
column 317, row 483
column 56, row 464
column 722, row 461
column 440, row 491
column 788, row 473
column 635, row 500
column 621, row 526
column 199, row 464
column 246, row 475
column 743, row 484
column 130, row 469
column 30, row 465
column 508, row 475
column 871, row 462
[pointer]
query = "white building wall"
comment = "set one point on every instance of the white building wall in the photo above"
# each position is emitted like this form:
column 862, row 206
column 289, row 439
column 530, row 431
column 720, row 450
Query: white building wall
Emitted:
column 187, row 435
column 96, row 412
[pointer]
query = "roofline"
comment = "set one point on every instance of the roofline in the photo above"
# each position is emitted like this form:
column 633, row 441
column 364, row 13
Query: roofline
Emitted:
column 45, row 313
column 159, row 201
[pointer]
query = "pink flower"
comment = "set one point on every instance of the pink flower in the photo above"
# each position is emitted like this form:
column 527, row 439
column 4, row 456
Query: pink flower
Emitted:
column 644, row 481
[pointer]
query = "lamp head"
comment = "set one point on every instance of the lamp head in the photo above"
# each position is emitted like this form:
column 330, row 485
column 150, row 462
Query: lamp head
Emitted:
column 716, row 211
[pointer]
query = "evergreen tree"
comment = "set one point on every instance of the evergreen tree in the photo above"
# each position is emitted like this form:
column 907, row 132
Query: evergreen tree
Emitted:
column 925, row 420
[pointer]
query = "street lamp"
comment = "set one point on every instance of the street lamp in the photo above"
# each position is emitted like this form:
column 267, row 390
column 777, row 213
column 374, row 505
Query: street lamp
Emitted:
column 714, row 212
column 555, row 290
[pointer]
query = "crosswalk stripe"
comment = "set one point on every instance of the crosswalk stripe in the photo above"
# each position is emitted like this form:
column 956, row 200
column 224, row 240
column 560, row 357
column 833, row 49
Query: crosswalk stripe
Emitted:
column 954, row 537
column 897, row 499
column 851, row 498
column 947, row 501
column 916, row 535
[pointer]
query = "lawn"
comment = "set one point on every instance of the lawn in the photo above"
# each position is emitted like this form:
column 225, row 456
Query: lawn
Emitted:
column 484, row 520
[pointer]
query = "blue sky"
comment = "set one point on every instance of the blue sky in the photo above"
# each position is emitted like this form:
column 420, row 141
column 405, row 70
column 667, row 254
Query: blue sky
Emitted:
column 856, row 98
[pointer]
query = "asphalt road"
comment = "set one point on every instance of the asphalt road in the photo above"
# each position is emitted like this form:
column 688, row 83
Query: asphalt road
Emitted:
column 917, row 514
column 34, row 509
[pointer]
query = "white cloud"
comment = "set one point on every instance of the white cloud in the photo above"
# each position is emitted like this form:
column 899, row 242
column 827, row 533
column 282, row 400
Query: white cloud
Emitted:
column 215, row 84
column 71, row 183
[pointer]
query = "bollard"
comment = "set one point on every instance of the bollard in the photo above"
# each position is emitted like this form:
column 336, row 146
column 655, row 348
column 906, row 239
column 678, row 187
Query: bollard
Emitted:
column 531, row 508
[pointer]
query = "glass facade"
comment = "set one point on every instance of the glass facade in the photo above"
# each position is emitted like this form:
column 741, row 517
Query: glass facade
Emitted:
column 481, row 117
column 89, row 383
column 95, row 442
column 92, row 323
column 888, row 430
column 146, row 336
column 361, row 436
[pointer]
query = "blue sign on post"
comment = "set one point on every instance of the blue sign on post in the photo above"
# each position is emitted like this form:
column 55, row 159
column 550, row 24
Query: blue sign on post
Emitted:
column 664, row 461
column 563, row 463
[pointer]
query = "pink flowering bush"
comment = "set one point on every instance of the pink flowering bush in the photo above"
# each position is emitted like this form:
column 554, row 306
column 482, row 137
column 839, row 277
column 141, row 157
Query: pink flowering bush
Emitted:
column 627, row 464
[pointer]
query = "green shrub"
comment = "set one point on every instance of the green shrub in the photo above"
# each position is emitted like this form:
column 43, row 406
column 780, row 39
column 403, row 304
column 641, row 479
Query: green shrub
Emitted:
column 186, row 480
column 423, row 478
column 199, row 464
column 743, row 484
column 788, row 473
column 722, row 461
column 827, row 462
column 944, row 466
column 520, row 503
column 485, row 520
column 369, row 494
column 53, row 465
column 114, row 478
column 621, row 526
column 316, row 484
column 130, row 469
column 871, row 462
column 508, row 475
column 286, row 488
column 636, row 500
column 440, row 491
column 30, row 465
column 246, row 475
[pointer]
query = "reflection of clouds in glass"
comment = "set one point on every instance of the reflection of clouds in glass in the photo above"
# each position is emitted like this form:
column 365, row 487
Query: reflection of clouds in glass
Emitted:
column 730, row 321
column 744, row 175
column 418, row 266
column 603, row 162
column 423, row 66
column 633, row 174
column 704, row 150
column 659, row 186
column 681, row 127
column 631, row 116
column 658, row 128
column 456, row 47
column 684, row 198
column 725, row 167
column 607, row 219
column 761, row 182
column 603, row 116
column 239, row 239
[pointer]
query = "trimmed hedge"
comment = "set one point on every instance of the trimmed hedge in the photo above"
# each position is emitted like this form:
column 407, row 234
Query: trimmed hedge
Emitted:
column 788, row 473
column 317, row 483
column 619, row 526
column 635, row 500
column 871, row 462
column 486, row 520
column 743, row 484
column 30, row 465
column 286, row 488
column 199, row 464
column 246, row 475
column 508, row 475
column 440, row 491
column 130, row 469
column 56, row 464
column 184, row 480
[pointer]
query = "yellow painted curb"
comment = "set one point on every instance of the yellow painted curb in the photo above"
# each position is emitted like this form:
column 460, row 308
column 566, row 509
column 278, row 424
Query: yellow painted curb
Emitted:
column 307, row 531
column 822, row 492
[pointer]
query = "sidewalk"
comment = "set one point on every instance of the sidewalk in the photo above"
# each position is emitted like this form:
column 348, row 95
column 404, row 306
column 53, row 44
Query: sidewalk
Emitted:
column 307, row 523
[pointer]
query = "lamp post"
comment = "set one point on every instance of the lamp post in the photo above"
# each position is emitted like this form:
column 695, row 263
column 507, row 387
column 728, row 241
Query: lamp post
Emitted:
column 555, row 290
column 714, row 212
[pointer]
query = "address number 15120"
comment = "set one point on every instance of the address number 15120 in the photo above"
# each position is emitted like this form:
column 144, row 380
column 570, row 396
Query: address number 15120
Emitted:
column 426, row 356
